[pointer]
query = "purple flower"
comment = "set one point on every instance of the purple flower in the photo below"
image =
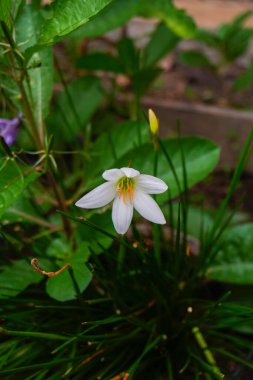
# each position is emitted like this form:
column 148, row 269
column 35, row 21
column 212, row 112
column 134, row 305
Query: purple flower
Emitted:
column 9, row 129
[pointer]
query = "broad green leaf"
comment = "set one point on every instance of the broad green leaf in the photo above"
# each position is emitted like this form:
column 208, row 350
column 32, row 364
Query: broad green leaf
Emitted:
column 143, row 79
column 113, row 144
column 236, row 273
column 61, row 287
column 162, row 41
column 27, row 26
column 13, row 180
column 128, row 55
column 41, row 81
column 180, row 23
column 40, row 65
column 118, row 12
column 68, row 15
column 234, row 262
column 176, row 19
column 201, row 156
column 198, row 221
column 245, row 80
column 100, row 61
column 60, row 249
column 74, row 108
column 115, row 14
column 194, row 58
column 16, row 277
column 234, row 38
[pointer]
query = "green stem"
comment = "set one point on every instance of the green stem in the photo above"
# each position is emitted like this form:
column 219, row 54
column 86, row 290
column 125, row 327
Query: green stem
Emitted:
column 156, row 228
column 207, row 353
column 30, row 334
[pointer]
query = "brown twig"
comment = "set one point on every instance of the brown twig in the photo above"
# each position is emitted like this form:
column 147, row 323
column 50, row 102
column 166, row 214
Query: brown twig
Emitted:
column 36, row 266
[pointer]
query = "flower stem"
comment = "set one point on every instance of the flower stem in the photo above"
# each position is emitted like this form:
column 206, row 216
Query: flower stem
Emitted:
column 208, row 354
column 155, row 226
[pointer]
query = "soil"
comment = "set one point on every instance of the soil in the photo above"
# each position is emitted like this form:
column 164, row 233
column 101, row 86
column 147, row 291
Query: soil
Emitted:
column 201, row 85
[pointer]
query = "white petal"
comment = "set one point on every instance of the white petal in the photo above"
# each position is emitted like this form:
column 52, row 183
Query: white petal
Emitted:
column 99, row 197
column 130, row 173
column 150, row 185
column 148, row 208
column 113, row 174
column 121, row 215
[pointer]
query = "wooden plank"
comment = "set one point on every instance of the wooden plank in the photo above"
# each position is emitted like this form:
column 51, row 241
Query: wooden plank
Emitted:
column 227, row 127
column 211, row 13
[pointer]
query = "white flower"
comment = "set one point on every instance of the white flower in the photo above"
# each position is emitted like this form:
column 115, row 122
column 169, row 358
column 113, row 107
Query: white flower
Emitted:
column 129, row 189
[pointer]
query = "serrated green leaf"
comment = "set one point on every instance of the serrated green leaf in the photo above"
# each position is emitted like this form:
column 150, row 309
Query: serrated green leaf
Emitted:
column 201, row 156
column 16, row 277
column 68, row 15
column 115, row 14
column 61, row 287
column 13, row 181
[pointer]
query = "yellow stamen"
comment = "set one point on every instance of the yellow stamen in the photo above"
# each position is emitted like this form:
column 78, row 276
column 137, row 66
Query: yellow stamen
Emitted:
column 126, row 189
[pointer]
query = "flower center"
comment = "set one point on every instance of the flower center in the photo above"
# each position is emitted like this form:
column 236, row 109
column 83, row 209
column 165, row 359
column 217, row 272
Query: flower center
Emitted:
column 125, row 187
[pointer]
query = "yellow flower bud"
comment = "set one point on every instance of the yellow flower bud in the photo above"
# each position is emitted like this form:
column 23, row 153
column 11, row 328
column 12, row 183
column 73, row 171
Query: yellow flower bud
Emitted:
column 153, row 122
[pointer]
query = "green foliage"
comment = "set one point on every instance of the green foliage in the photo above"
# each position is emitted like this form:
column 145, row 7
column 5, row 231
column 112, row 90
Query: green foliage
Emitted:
column 236, row 273
column 245, row 80
column 162, row 41
column 14, row 179
column 150, row 289
column 100, row 61
column 67, row 16
column 194, row 58
column 74, row 108
column 201, row 156
column 5, row 11
column 16, row 277
column 115, row 143
column 39, row 84
column 234, row 262
column 95, row 239
column 69, row 285
column 115, row 14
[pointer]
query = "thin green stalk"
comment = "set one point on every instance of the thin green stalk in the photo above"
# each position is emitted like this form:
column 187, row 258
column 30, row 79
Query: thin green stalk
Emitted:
column 30, row 334
column 156, row 228
column 52, row 363
column 234, row 358
column 207, row 353
column 97, row 228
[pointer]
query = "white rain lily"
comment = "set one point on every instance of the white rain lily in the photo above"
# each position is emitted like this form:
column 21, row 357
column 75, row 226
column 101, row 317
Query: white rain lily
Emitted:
column 128, row 189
